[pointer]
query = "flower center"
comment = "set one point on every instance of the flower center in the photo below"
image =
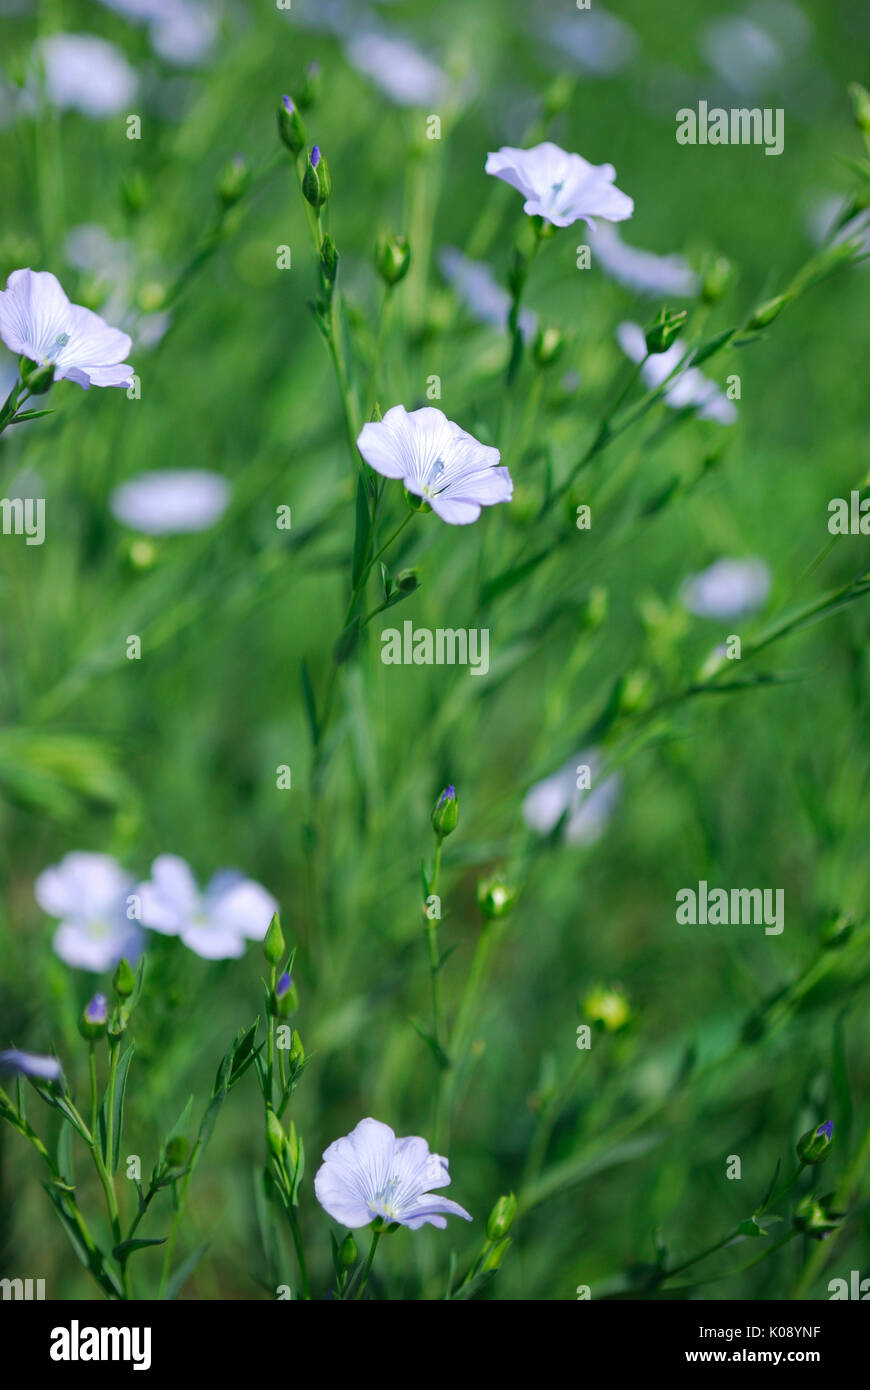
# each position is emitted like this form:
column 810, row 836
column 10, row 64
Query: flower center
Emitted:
column 430, row 489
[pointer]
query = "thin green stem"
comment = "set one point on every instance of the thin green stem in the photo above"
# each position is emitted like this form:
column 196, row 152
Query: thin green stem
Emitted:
column 376, row 1235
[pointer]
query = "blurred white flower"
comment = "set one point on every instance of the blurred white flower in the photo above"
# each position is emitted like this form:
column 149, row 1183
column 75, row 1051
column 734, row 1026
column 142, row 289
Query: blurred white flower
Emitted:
column 87, row 74
column 643, row 271
column 476, row 285
column 689, row 389
column 753, row 49
column 562, row 188
column 588, row 809
column 595, row 41
column 38, row 321
column 402, row 72
column 438, row 461
column 171, row 502
column 214, row 924
column 181, row 31
column 89, row 893
column 727, row 589
column 370, row 1174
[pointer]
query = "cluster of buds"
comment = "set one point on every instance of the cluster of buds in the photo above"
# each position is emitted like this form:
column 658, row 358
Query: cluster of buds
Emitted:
column 97, row 1019
column 283, row 998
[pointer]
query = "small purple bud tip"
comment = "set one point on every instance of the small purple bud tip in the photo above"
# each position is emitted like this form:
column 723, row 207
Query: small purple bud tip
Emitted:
column 97, row 1010
column 284, row 985
column 315, row 156
column 827, row 1129
column 448, row 794
column 288, row 105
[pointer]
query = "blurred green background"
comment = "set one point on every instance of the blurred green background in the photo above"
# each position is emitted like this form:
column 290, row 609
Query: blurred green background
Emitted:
column 178, row 751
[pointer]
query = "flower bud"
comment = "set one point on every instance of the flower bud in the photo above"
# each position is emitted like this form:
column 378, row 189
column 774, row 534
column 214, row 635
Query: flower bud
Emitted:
column 176, row 1151
column 495, row 898
column 416, row 504
column 392, row 258
column 275, row 1137
column 348, row 1252
column 38, row 376
column 501, row 1217
column 816, row 1217
column 493, row 1258
column 837, row 930
column 549, row 346
column 861, row 106
column 290, row 127
column 310, row 88
column 716, row 279
column 297, row 1051
column 328, row 260
column 635, row 692
column 123, row 980
column 813, row 1146
column 274, row 944
column 284, row 997
column 234, row 181
column 445, row 816
column 316, row 183
column 767, row 312
column 661, row 334
column 92, row 1024
column 407, row 581
column 607, row 1007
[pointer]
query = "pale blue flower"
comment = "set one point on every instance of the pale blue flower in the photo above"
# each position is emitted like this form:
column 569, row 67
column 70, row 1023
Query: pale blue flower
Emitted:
column 89, row 893
column 438, row 461
column 659, row 277
column 15, row 1063
column 560, row 187
column 688, row 389
column 587, row 810
column 171, row 502
column 214, row 924
column 727, row 589
column 476, row 285
column 371, row 1174
column 38, row 321
column 402, row 72
column 87, row 74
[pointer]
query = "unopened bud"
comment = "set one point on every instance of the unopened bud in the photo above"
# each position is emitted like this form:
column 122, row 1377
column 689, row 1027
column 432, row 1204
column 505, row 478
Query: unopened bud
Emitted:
column 501, row 1217
column 234, row 181
column 716, row 279
column 176, row 1151
column 290, row 127
column 348, row 1252
column 495, row 898
column 316, row 182
column 662, row 333
column 813, row 1146
column 297, row 1051
column 767, row 312
column 38, row 376
column 445, row 816
column 92, row 1024
column 392, row 258
column 549, row 346
column 309, row 91
column 275, row 1136
column 607, row 1007
column 860, row 106
column 123, row 980
column 274, row 944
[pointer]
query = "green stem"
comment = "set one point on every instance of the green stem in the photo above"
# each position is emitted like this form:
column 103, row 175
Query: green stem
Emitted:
column 376, row 1235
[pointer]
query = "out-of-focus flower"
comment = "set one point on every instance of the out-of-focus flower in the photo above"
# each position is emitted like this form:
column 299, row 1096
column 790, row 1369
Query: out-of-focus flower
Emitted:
column 689, row 389
column 89, row 893
column 659, row 277
column 215, row 924
column 371, row 1174
column 15, row 1063
column 727, row 589
column 38, row 321
column 438, row 461
column 402, row 72
column 588, row 809
column 181, row 31
column 753, row 49
column 171, row 502
column 87, row 74
column 595, row 42
column 478, row 288
column 560, row 187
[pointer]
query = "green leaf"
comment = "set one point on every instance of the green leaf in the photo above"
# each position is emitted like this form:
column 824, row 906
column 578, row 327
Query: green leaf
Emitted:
column 362, row 531
column 112, row 1159
column 184, row 1271
column 123, row 1251
column 309, row 701
column 345, row 644
column 437, row 1050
